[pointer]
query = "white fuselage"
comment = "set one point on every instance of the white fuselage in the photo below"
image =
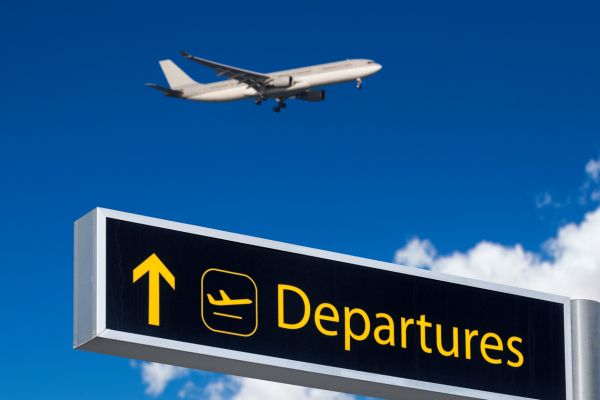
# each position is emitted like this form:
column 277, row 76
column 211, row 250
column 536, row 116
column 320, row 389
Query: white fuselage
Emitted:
column 303, row 78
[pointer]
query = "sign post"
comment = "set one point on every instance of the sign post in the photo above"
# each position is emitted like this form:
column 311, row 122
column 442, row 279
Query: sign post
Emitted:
column 195, row 297
column 586, row 349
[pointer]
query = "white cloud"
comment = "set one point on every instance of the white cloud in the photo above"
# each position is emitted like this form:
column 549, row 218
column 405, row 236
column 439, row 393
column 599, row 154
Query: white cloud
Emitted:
column 222, row 389
column 253, row 389
column 217, row 389
column 236, row 388
column 416, row 253
column 591, row 187
column 543, row 200
column 156, row 376
column 592, row 168
column 190, row 391
column 547, row 200
column 589, row 190
column 568, row 265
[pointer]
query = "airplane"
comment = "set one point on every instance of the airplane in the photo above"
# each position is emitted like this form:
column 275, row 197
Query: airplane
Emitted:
column 226, row 301
column 299, row 83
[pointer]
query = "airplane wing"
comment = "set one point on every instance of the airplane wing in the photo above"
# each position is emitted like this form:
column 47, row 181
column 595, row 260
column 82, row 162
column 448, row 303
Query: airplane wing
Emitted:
column 224, row 296
column 253, row 79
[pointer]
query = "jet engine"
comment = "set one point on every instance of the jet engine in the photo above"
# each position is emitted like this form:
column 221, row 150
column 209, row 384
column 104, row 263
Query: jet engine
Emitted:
column 282, row 82
column 312, row 95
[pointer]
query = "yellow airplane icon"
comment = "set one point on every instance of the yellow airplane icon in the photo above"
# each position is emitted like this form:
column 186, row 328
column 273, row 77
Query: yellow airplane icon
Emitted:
column 226, row 301
column 236, row 315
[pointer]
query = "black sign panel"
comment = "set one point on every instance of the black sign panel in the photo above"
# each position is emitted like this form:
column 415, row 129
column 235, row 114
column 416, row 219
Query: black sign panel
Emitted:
column 199, row 289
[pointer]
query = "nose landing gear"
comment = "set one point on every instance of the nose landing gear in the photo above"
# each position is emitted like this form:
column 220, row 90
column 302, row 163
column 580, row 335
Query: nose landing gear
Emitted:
column 359, row 83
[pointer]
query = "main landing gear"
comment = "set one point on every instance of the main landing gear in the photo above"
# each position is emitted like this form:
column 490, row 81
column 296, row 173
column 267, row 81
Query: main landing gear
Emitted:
column 280, row 104
column 358, row 83
column 258, row 100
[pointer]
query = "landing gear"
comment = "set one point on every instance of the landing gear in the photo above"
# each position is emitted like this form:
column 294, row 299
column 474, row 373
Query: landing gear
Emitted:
column 358, row 83
column 258, row 100
column 280, row 104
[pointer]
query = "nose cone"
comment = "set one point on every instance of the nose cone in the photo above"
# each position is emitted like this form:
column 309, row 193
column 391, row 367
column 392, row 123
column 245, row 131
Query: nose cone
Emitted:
column 374, row 68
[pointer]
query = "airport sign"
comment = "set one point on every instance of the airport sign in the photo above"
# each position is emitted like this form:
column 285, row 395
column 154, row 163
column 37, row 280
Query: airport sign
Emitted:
column 195, row 297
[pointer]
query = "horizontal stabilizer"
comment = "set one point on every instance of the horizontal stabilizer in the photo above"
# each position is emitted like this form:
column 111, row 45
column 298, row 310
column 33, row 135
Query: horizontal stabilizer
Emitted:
column 165, row 91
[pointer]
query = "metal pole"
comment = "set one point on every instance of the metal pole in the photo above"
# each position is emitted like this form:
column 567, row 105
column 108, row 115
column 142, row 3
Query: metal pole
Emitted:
column 585, row 328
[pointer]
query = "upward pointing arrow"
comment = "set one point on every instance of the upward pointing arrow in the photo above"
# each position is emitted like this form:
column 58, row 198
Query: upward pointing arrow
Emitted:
column 155, row 268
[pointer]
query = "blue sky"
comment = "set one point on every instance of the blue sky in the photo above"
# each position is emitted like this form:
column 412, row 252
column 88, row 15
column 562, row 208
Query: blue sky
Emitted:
column 479, row 110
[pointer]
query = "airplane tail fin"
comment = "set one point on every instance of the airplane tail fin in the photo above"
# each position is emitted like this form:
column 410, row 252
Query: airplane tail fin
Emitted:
column 175, row 76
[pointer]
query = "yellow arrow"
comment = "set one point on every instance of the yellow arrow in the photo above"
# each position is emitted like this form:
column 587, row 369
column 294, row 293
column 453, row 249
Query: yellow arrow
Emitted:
column 155, row 269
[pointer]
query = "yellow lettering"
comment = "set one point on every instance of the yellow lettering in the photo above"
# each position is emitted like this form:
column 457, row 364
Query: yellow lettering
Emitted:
column 389, row 327
column 405, row 324
column 422, row 322
column 348, row 333
column 469, row 335
column 281, row 313
column 440, row 345
column 335, row 317
column 485, row 346
column 520, row 359
column 358, row 326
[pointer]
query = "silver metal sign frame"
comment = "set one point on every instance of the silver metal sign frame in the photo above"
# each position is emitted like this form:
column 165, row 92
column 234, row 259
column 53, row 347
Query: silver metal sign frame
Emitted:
column 586, row 349
column 90, row 332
